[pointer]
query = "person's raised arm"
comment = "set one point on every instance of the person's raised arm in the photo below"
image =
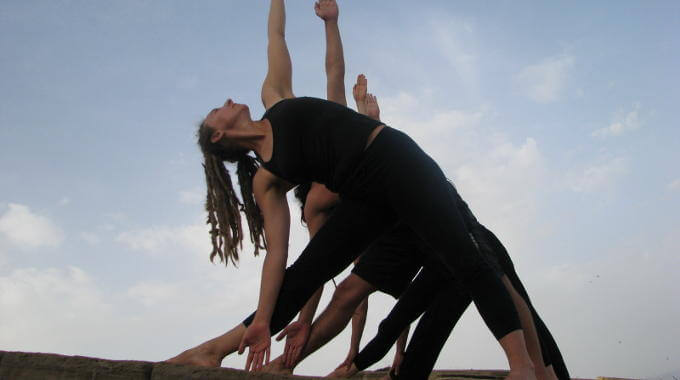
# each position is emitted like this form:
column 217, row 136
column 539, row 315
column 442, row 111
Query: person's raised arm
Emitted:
column 327, row 10
column 271, row 197
column 278, row 84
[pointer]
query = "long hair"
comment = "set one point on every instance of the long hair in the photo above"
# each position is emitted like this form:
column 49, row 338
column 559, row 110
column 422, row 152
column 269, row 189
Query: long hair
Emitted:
column 223, row 206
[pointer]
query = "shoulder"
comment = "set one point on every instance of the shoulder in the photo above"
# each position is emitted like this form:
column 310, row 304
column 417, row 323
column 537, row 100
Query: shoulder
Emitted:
column 273, row 100
column 264, row 181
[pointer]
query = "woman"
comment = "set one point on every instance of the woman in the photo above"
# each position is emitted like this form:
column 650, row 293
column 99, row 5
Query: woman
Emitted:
column 381, row 175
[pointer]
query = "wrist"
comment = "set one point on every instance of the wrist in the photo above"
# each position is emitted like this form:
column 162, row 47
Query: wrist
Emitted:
column 331, row 22
column 260, row 321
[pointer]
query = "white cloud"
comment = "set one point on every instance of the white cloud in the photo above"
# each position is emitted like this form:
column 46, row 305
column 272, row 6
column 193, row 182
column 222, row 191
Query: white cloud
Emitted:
column 674, row 185
column 499, row 178
column 25, row 229
column 193, row 237
column 545, row 81
column 597, row 177
column 620, row 125
column 55, row 309
column 154, row 293
column 452, row 39
column 90, row 238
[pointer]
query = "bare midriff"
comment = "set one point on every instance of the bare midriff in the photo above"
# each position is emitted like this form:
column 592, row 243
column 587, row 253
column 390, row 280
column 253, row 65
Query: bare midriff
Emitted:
column 373, row 134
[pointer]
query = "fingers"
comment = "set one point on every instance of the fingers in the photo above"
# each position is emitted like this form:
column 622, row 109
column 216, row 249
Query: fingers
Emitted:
column 286, row 351
column 249, row 361
column 257, row 361
column 267, row 352
column 296, row 356
column 282, row 334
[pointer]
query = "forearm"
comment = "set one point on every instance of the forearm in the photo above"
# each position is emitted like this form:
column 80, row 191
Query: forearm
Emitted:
column 273, row 270
column 276, row 22
column 358, row 324
column 274, row 206
column 308, row 311
column 278, row 81
column 335, row 63
column 401, row 342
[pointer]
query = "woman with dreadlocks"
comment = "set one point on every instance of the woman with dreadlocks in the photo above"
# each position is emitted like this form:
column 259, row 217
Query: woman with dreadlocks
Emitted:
column 382, row 177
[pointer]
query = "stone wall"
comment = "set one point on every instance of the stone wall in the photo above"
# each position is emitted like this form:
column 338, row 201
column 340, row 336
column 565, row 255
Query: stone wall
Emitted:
column 25, row 366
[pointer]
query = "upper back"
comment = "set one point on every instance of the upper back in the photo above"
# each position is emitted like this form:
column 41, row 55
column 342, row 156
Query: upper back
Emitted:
column 316, row 140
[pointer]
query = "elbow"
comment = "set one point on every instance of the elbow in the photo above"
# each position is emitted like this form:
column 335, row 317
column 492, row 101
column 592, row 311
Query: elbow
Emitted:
column 335, row 71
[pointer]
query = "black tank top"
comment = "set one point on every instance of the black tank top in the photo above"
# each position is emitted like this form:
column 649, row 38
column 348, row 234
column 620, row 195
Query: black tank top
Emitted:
column 316, row 140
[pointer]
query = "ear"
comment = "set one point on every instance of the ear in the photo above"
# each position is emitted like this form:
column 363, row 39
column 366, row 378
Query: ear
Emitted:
column 216, row 136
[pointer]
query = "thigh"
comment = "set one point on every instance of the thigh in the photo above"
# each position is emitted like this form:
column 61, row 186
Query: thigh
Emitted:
column 392, row 261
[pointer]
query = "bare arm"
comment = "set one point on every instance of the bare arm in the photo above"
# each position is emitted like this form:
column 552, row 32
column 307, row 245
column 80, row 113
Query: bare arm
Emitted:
column 358, row 324
column 400, row 350
column 272, row 200
column 335, row 60
column 277, row 84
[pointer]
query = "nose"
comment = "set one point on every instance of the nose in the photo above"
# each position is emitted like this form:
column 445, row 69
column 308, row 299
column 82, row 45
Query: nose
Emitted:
column 228, row 102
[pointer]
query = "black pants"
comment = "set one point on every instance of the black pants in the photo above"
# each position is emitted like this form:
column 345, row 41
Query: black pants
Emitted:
column 443, row 304
column 396, row 181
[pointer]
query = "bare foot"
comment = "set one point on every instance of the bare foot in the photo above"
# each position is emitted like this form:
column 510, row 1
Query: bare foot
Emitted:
column 527, row 373
column 344, row 372
column 202, row 355
column 276, row 366
column 372, row 109
column 359, row 93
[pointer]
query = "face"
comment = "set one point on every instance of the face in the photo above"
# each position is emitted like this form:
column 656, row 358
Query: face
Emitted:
column 227, row 116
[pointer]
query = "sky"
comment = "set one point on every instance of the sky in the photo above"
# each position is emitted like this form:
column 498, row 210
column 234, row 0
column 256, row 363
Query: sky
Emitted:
column 556, row 121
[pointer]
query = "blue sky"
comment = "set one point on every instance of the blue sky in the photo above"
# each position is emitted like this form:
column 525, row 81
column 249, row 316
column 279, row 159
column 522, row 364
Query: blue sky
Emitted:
column 557, row 122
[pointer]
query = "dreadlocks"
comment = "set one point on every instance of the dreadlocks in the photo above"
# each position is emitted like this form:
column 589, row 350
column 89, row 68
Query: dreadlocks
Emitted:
column 223, row 206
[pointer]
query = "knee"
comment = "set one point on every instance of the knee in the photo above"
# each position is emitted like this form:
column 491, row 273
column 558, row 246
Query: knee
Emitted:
column 348, row 295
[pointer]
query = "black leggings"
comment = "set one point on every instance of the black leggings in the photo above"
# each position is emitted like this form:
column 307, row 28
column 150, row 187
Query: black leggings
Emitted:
column 396, row 181
column 443, row 304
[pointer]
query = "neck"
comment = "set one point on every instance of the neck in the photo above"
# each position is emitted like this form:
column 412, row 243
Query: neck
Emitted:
column 256, row 137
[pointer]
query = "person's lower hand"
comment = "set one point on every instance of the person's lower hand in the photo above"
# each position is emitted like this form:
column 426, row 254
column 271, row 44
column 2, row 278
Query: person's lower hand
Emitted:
column 296, row 334
column 258, row 340
column 396, row 363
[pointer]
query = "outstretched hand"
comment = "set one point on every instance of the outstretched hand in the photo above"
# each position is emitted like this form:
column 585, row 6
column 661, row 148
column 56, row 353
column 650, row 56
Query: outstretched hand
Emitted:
column 258, row 339
column 297, row 335
column 327, row 10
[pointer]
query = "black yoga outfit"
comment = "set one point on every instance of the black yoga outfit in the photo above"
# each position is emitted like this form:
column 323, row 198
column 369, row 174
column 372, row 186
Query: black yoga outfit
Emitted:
column 441, row 305
column 390, row 181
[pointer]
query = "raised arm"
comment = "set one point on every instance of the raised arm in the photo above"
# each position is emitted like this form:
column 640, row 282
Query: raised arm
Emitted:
column 278, row 84
column 327, row 10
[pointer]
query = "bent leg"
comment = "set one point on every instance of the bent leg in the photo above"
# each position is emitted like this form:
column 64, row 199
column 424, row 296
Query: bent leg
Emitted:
column 432, row 333
column 410, row 306
column 422, row 197
column 552, row 357
column 338, row 313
